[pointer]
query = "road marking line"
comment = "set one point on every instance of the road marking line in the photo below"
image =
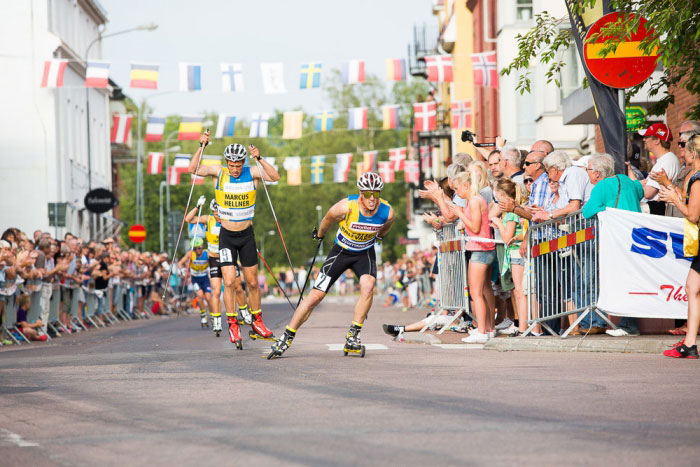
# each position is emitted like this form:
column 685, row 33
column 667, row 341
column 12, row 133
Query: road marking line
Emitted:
column 460, row 346
column 334, row 347
column 15, row 439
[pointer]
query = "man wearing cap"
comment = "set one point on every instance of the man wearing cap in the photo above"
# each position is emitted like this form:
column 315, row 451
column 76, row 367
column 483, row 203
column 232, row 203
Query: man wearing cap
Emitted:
column 657, row 140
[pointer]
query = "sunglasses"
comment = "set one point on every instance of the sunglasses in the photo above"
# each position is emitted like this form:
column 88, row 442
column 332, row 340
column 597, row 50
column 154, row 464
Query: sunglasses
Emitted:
column 528, row 180
column 369, row 194
column 529, row 163
column 681, row 144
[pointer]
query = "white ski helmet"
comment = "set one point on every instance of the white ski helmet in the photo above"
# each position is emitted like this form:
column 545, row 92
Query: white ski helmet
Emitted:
column 370, row 181
column 235, row 152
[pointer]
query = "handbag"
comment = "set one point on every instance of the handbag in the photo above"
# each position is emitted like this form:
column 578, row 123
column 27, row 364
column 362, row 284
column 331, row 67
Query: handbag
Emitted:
column 690, row 236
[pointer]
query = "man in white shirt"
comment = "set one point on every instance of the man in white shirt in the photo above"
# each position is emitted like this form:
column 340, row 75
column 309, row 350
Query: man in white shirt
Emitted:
column 657, row 140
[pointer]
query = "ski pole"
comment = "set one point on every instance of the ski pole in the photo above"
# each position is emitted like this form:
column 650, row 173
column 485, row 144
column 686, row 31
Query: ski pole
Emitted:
column 182, row 288
column 187, row 207
column 301, row 296
column 276, row 281
column 269, row 200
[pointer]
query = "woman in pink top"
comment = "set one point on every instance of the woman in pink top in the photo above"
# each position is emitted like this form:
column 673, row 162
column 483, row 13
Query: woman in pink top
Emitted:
column 474, row 218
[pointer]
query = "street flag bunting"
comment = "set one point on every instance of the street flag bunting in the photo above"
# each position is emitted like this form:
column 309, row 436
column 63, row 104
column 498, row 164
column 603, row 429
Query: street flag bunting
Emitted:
column 360, row 169
column 426, row 160
column 97, row 74
column 155, row 163
column 292, row 123
column 196, row 179
column 343, row 162
column 353, row 72
column 271, row 161
column 485, row 70
column 225, row 125
column 390, row 114
column 210, row 160
column 53, row 73
column 258, row 125
column 310, row 76
column 317, row 167
column 357, row 118
column 273, row 78
column 292, row 165
column 144, row 76
column 461, row 114
column 154, row 129
column 411, row 172
column 231, row 77
column 190, row 77
column 190, row 128
column 395, row 69
column 439, row 68
column 173, row 175
column 369, row 159
column 182, row 162
column 121, row 125
column 425, row 116
column 397, row 157
column 324, row 121
column 386, row 172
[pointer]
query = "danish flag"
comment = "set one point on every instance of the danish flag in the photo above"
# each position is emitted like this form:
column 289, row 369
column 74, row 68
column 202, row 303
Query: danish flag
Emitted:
column 461, row 114
column 439, row 68
column 425, row 115
column 485, row 70
column 411, row 174
column 386, row 171
column 397, row 157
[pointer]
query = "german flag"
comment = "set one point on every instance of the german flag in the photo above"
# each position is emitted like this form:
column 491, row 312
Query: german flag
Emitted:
column 144, row 76
column 190, row 128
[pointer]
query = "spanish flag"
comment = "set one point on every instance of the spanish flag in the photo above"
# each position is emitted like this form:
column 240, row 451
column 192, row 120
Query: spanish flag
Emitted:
column 144, row 76
column 190, row 128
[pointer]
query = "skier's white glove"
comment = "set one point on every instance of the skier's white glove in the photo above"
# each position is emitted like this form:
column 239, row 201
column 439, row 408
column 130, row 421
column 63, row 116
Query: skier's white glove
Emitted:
column 200, row 202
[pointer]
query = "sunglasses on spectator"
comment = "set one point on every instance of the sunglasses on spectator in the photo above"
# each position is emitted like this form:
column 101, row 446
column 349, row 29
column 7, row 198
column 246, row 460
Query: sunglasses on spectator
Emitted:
column 529, row 163
column 681, row 144
column 527, row 180
column 369, row 194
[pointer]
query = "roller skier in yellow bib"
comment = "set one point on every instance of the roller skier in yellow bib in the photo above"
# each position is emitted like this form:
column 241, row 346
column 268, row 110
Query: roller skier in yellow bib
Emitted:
column 363, row 219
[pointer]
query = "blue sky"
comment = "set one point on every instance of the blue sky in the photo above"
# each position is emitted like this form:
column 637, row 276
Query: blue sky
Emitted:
column 250, row 32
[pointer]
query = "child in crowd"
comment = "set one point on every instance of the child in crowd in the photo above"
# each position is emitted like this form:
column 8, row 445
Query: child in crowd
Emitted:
column 32, row 331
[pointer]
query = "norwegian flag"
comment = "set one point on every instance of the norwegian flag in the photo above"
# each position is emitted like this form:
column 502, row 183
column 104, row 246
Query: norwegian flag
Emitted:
column 155, row 162
column 121, row 124
column 439, row 68
column 485, row 70
column 53, row 73
column 155, row 129
column 397, row 157
column 343, row 162
column 386, row 171
column 425, row 115
column 461, row 114
column 411, row 174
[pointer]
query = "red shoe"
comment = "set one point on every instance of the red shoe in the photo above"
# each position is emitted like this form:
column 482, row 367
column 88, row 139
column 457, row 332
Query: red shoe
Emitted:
column 259, row 327
column 683, row 352
column 42, row 337
column 234, row 331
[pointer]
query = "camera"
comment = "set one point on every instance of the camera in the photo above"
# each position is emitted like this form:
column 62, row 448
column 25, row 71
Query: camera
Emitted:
column 469, row 136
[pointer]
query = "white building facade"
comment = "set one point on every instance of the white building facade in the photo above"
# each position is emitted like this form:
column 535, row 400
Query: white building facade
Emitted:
column 43, row 131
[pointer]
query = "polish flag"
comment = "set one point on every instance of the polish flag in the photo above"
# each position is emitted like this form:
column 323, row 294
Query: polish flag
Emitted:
column 397, row 157
column 357, row 118
column 53, row 73
column 386, row 171
column 155, row 162
column 353, row 72
column 411, row 173
column 425, row 115
column 97, row 75
column 121, row 125
column 439, row 68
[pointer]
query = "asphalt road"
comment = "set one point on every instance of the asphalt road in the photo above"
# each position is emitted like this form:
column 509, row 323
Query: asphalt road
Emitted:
column 165, row 392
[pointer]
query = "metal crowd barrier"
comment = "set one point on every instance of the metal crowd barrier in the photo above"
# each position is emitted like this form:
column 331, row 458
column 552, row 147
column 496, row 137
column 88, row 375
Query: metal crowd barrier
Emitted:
column 564, row 272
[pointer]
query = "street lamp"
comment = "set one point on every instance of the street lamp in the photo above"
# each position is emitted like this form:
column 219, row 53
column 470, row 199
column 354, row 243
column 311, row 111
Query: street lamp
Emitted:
column 262, row 246
column 143, row 27
column 318, row 211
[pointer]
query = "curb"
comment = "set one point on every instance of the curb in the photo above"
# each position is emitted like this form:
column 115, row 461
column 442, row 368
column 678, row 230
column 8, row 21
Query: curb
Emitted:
column 420, row 338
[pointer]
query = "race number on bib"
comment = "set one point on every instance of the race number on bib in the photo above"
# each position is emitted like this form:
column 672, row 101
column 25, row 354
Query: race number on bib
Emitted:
column 322, row 282
column 225, row 255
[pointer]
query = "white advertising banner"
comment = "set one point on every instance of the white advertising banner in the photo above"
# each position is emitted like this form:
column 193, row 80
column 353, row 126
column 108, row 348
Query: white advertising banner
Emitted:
column 642, row 268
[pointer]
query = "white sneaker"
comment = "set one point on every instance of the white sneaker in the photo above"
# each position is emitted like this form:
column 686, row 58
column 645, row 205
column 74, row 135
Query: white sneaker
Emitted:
column 509, row 331
column 506, row 323
column 619, row 332
column 476, row 338
column 491, row 334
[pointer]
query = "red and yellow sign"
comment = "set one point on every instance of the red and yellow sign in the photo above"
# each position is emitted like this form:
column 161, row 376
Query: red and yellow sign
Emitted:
column 137, row 233
column 628, row 65
column 565, row 241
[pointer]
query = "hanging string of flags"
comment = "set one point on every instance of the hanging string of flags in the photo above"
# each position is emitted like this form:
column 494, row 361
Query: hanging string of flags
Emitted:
column 146, row 75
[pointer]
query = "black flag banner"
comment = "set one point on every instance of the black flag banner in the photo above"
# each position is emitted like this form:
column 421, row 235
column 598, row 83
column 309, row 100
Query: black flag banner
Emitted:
column 611, row 118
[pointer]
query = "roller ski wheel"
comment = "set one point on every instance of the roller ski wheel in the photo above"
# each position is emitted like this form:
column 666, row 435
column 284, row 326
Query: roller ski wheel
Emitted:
column 360, row 351
column 217, row 333
column 255, row 336
column 239, row 345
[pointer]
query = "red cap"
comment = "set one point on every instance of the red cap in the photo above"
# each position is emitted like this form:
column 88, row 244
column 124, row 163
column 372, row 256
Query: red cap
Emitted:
column 660, row 130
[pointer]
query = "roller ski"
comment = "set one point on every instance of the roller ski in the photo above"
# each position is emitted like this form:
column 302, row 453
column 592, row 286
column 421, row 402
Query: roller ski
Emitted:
column 216, row 325
column 244, row 317
column 352, row 342
column 260, row 331
column 282, row 344
column 234, row 332
column 203, row 320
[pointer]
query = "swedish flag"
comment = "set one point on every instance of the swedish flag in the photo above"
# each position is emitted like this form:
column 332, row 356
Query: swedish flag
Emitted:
column 324, row 121
column 317, row 165
column 310, row 76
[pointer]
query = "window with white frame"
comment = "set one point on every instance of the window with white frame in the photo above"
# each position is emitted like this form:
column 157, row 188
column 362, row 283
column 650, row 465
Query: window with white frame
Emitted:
column 523, row 10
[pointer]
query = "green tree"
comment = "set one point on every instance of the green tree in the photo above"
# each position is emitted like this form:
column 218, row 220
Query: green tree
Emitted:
column 675, row 38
